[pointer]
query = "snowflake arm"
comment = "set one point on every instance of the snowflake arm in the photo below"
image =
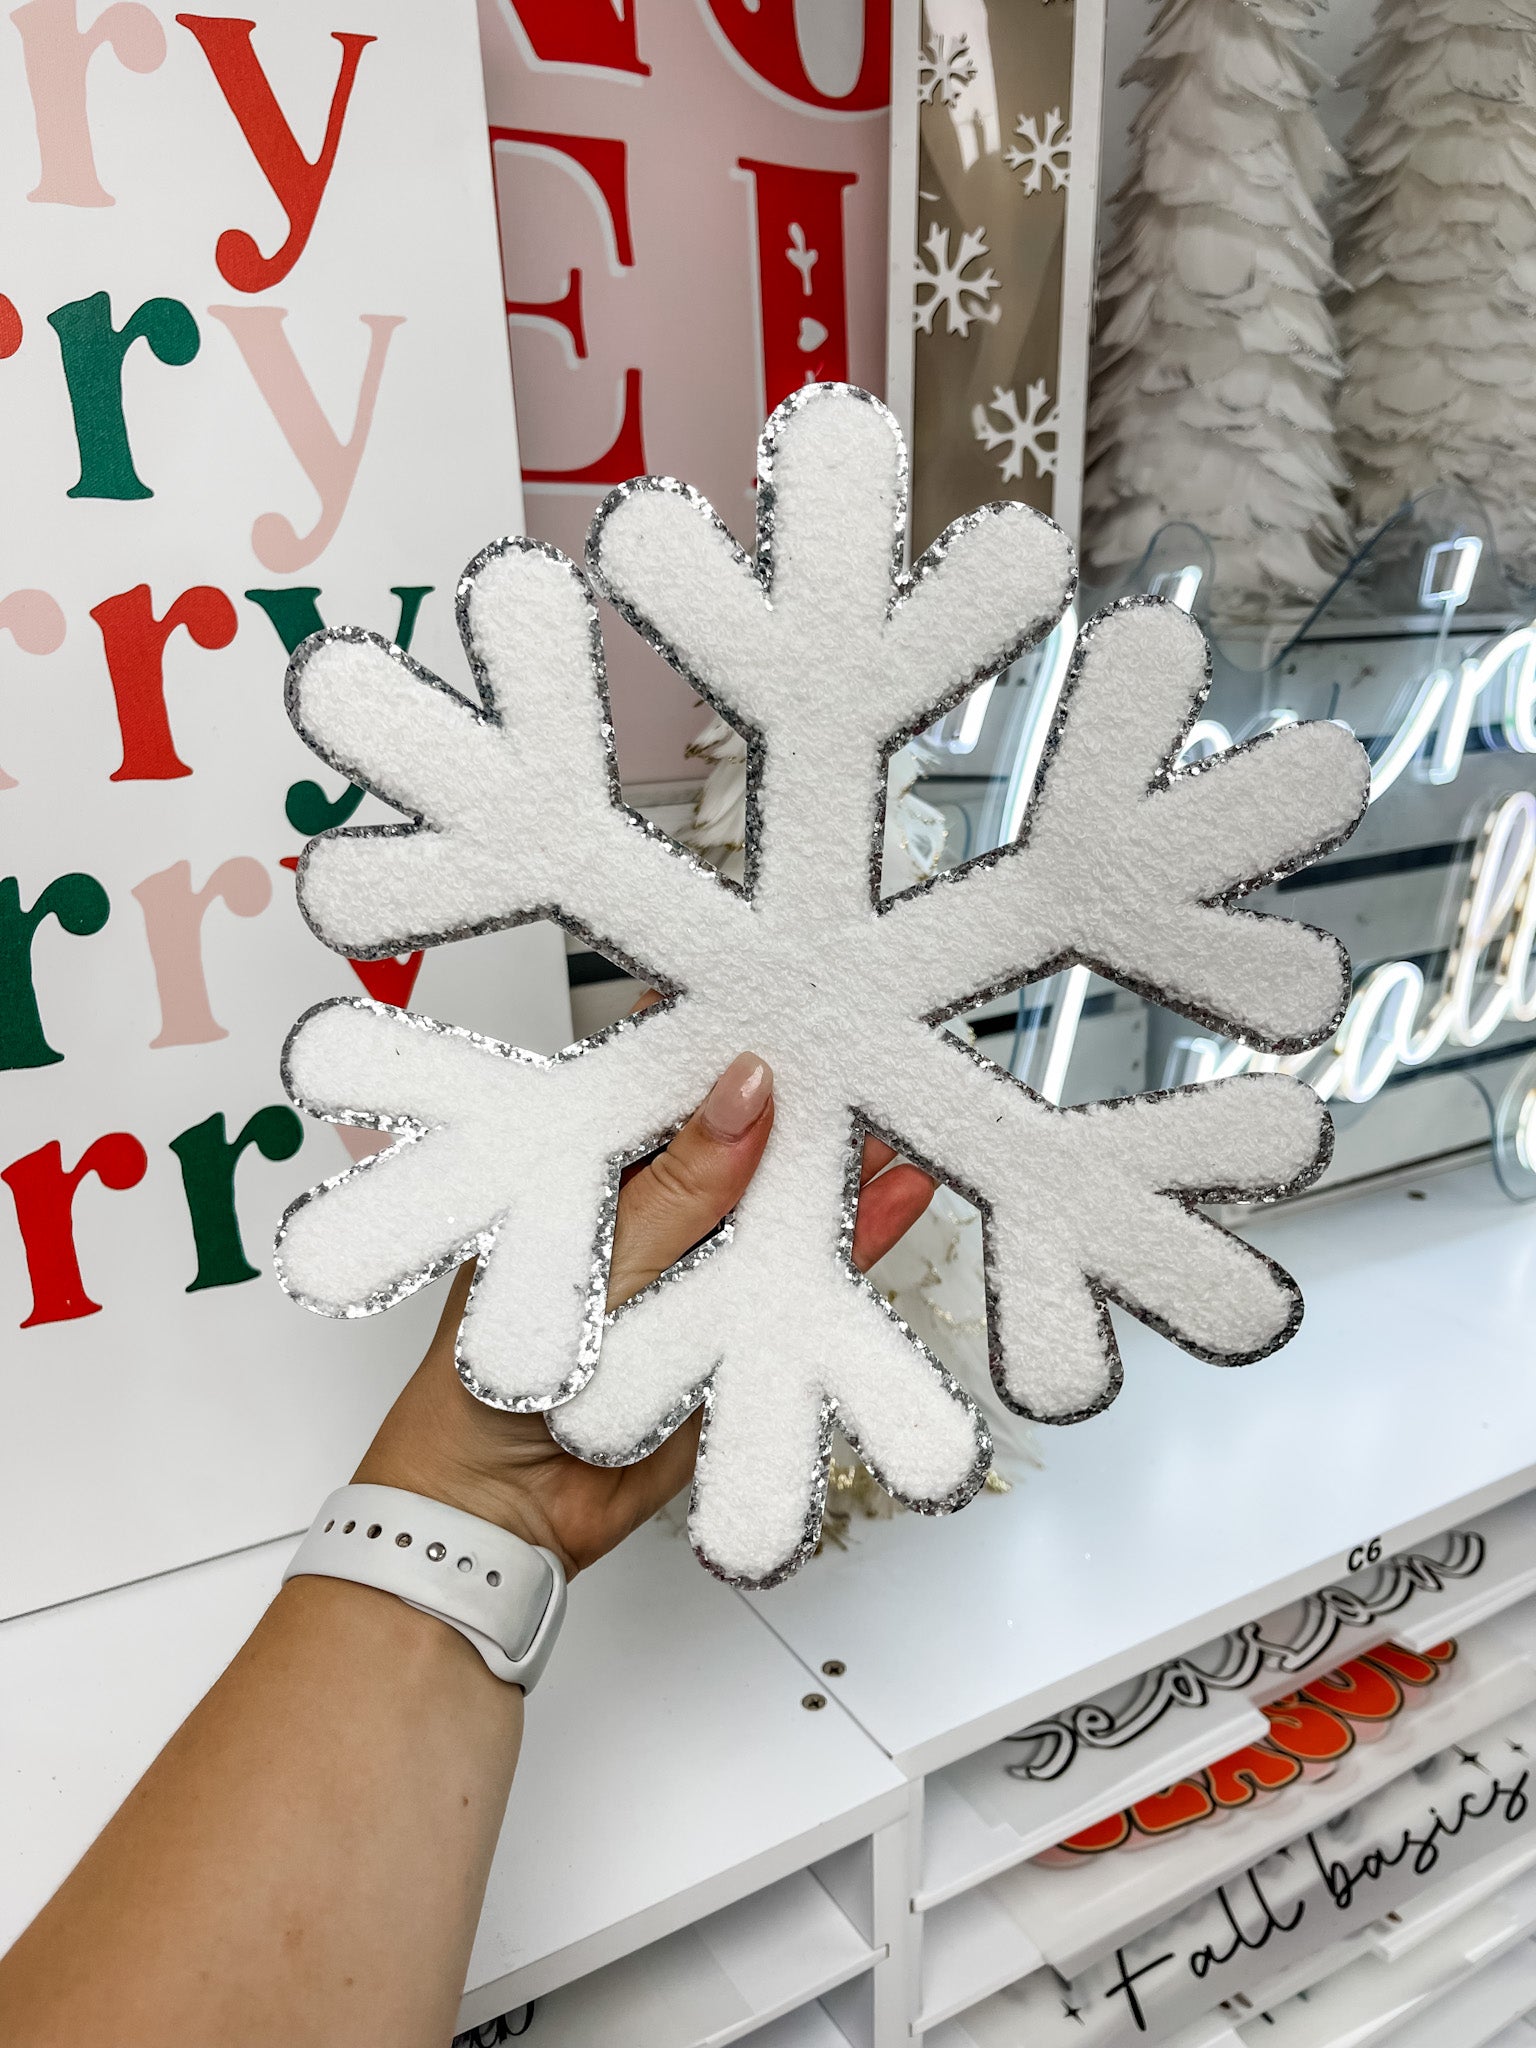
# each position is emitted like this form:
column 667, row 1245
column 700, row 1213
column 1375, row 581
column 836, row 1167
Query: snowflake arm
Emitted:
column 1142, row 1245
column 489, row 1164
column 1128, row 866
column 660, row 1369
column 838, row 1356
column 988, row 588
column 341, row 1055
column 1089, row 1205
column 490, row 788
column 986, row 591
column 702, row 590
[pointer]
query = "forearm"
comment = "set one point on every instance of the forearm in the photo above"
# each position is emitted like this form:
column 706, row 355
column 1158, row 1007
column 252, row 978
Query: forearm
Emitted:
column 305, row 1861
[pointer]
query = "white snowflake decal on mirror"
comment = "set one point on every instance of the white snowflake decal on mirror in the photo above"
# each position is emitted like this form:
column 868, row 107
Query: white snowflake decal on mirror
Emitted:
column 961, row 292
column 1046, row 151
column 944, row 70
column 1019, row 434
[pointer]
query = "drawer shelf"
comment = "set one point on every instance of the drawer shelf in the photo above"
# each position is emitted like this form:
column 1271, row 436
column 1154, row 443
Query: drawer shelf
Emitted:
column 811, row 2026
column 1473, row 2014
column 982, row 1818
column 1506, row 1577
column 1460, row 1987
column 978, row 1821
column 971, row 1947
column 1076, row 1916
column 750, row 1972
column 1438, row 1906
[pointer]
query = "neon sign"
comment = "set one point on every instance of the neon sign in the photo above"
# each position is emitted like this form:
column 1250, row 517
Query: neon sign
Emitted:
column 1387, row 1025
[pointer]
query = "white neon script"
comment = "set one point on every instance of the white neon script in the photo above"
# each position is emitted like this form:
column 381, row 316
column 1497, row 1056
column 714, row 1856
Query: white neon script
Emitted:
column 1443, row 706
column 1393, row 1019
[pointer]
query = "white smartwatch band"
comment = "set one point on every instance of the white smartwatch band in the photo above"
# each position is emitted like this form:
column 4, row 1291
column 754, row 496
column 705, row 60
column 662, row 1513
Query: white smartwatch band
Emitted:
column 506, row 1596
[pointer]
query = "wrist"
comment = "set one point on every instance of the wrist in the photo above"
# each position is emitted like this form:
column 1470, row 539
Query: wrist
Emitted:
column 378, row 1632
column 419, row 1462
column 500, row 1594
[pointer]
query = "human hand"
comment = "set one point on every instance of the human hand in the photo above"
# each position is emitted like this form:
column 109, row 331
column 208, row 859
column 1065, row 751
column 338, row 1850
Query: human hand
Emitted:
column 438, row 1440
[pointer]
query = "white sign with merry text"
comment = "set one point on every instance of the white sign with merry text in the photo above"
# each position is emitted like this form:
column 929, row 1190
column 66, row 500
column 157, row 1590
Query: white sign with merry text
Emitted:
column 254, row 376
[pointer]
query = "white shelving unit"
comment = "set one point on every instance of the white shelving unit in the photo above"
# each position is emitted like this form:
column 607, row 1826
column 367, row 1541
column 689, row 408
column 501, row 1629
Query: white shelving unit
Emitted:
column 663, row 1811
column 692, row 1857
column 641, row 1803
column 1075, row 1916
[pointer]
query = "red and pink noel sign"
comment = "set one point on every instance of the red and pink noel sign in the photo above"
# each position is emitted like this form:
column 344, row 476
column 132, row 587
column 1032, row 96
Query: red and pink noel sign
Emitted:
column 253, row 379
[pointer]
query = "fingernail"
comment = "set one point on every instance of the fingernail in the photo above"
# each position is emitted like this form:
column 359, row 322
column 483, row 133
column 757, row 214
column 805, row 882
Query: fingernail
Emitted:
column 737, row 1099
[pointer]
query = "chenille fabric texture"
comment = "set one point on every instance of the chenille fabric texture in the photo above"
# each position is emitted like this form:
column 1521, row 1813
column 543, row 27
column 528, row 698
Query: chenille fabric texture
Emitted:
column 934, row 1277
column 827, row 657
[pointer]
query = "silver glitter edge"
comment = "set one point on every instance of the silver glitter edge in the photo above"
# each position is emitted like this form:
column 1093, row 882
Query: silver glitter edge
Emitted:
column 1189, row 1199
column 479, row 1243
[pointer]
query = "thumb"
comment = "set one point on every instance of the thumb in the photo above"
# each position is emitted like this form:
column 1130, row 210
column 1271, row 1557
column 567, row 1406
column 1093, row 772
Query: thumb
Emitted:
column 679, row 1196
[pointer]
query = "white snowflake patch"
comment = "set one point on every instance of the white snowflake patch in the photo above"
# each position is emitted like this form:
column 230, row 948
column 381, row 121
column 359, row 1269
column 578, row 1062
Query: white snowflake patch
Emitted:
column 1020, row 434
column 1046, row 151
column 944, row 70
column 827, row 656
column 963, row 293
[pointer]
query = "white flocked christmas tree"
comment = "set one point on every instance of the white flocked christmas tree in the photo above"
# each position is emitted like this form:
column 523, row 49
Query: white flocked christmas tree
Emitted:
column 1216, row 359
column 1439, row 247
